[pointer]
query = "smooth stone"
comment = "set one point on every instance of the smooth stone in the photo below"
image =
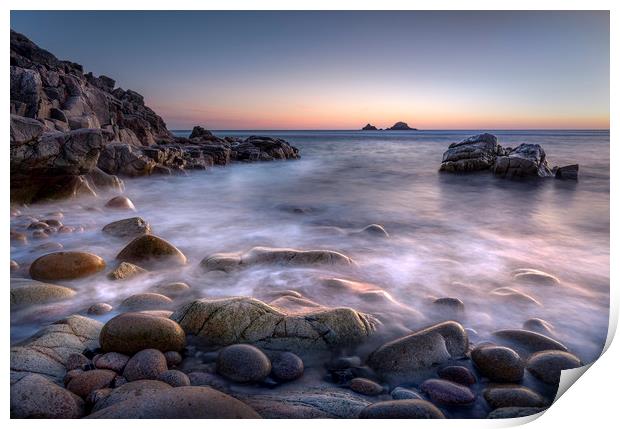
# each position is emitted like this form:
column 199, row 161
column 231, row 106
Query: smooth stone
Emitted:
column 530, row 275
column 18, row 238
column 130, row 390
column 151, row 250
column 498, row 363
column 174, row 378
column 146, row 301
column 180, row 402
column 70, row 374
column 449, row 303
column 120, row 202
column 29, row 292
column 515, row 396
column 402, row 409
column 128, row 228
column 515, row 296
column 172, row 290
column 457, row 374
column 114, row 361
column 99, row 308
column 528, row 342
column 365, row 387
column 400, row 393
column 374, row 229
column 66, row 266
column 514, row 412
column 84, row 383
column 125, row 271
column 539, row 325
column 287, row 366
column 345, row 362
column 129, row 333
column 145, row 365
column 35, row 396
column 98, row 395
column 53, row 222
column 37, row 225
column 173, row 358
column 39, row 235
column 119, row 381
column 75, row 361
column 547, row 366
column 447, row 392
column 243, row 363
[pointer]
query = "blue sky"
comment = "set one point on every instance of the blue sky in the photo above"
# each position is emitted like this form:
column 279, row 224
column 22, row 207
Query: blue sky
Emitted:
column 340, row 70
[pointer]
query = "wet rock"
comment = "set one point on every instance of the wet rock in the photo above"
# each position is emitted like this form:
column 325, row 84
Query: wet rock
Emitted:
column 199, row 378
column 532, row 276
column 569, row 172
column 146, row 301
column 120, row 203
column 345, row 362
column 403, row 409
column 517, row 396
column 173, row 358
column 173, row 290
column 365, row 387
column 98, row 395
column 526, row 160
column 66, row 266
column 131, row 390
column 145, row 365
column 53, row 222
column 31, row 292
column 35, row 396
column 277, row 256
column 422, row 349
column 180, row 402
column 221, row 322
column 113, row 361
column 70, row 374
column 447, row 393
column 513, row 412
column 128, row 228
column 539, row 325
column 472, row 154
column 37, row 226
column 151, row 251
column 76, row 360
column 514, row 296
column 373, row 230
column 99, row 308
column 84, row 383
column 498, row 363
column 39, row 235
column 547, row 366
column 18, row 238
column 125, row 271
column 451, row 304
column 174, row 378
column 129, row 333
column 401, row 393
column 457, row 374
column 287, row 366
column 243, row 363
column 527, row 342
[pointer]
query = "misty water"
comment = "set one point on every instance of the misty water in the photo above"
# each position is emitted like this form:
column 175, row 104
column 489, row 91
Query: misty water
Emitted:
column 457, row 236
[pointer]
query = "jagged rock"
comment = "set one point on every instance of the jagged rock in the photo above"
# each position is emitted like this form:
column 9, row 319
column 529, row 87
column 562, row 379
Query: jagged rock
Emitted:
column 25, row 130
column 36, row 397
column 28, row 292
column 125, row 159
column 266, row 255
column 472, row 154
column 260, row 148
column 199, row 132
column 125, row 228
column 221, row 322
column 526, row 160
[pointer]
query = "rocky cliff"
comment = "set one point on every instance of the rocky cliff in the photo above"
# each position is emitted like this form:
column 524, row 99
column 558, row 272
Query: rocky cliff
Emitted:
column 72, row 132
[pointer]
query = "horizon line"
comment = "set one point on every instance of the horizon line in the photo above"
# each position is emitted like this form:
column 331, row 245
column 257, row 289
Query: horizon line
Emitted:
column 399, row 131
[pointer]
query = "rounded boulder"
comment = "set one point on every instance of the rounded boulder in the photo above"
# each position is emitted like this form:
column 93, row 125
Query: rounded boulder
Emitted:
column 66, row 266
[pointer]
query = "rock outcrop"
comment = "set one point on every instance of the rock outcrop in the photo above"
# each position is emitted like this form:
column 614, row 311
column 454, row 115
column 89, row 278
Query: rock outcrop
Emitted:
column 369, row 127
column 483, row 152
column 72, row 132
column 401, row 126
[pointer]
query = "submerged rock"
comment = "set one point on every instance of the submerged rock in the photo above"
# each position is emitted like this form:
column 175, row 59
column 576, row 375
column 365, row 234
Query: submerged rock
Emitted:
column 278, row 256
column 221, row 322
column 66, row 266
column 126, row 228
column 128, row 333
column 547, row 366
column 120, row 203
column 243, row 363
column 99, row 308
column 403, row 409
column 530, row 275
column 151, row 251
column 146, row 301
column 29, row 292
column 526, row 160
column 365, row 386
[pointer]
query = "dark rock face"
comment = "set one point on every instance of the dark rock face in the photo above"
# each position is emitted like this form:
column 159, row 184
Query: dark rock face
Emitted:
column 369, row 127
column 67, row 124
column 526, row 160
column 472, row 154
column 401, row 126
column 569, row 172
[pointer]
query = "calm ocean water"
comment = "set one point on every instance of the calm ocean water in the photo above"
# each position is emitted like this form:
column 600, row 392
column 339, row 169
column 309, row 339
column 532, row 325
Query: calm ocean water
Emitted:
column 451, row 236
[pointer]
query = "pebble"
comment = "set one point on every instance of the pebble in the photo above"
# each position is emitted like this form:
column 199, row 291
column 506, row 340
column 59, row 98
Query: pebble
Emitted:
column 498, row 363
column 457, row 374
column 114, row 361
column 447, row 393
column 145, row 365
column 287, row 366
column 366, row 387
column 400, row 393
column 243, row 363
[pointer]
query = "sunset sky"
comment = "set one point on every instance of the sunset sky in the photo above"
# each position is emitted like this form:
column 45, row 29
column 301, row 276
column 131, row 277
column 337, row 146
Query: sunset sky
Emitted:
column 340, row 70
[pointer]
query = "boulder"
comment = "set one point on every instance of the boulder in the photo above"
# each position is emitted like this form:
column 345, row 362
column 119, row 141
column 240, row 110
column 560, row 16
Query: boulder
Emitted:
column 198, row 132
column 36, row 397
column 547, row 366
column 528, row 342
column 278, row 256
column 179, row 403
column 128, row 228
column 150, row 250
column 457, row 374
column 76, row 361
column 146, row 301
column 128, row 333
column 173, row 358
column 29, row 292
column 401, row 126
column 172, row 289
column 221, row 322
column 287, row 366
column 569, row 172
column 147, row 364
column 447, row 393
column 130, row 390
column 120, row 202
column 536, row 277
column 472, row 154
column 498, row 363
column 99, row 308
column 401, row 393
column 86, row 382
column 526, row 160
column 365, row 386
column 66, row 266
column 125, row 271
column 174, row 377
column 514, row 412
column 402, row 409
column 243, row 363
column 513, row 396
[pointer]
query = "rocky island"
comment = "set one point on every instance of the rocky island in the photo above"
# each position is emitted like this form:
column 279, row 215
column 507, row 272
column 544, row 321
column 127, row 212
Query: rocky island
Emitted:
column 369, row 127
column 401, row 126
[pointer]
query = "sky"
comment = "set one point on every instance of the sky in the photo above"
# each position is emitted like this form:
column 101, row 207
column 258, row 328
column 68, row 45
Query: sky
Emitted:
column 341, row 70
